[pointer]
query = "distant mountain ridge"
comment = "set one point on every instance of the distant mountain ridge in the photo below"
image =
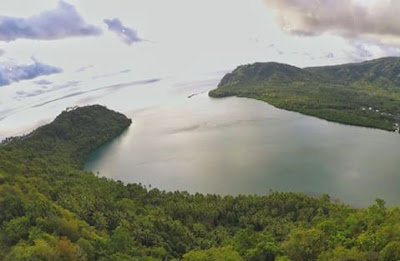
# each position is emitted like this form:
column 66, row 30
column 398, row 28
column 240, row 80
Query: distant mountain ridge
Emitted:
column 388, row 68
column 363, row 94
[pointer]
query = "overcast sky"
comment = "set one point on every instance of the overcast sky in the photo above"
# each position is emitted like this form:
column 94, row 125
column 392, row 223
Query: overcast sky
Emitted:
column 77, row 46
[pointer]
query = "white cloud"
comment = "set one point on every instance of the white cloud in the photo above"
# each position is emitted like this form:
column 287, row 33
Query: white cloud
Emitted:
column 352, row 19
column 370, row 27
column 10, row 72
column 128, row 35
column 59, row 23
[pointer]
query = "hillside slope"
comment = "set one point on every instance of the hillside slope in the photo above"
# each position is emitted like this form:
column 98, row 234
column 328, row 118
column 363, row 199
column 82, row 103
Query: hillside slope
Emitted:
column 363, row 94
column 70, row 137
column 52, row 210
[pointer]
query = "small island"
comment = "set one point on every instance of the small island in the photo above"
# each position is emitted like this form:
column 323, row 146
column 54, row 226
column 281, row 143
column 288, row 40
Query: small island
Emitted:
column 362, row 94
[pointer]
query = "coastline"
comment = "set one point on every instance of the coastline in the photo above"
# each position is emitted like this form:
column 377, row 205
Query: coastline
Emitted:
column 304, row 112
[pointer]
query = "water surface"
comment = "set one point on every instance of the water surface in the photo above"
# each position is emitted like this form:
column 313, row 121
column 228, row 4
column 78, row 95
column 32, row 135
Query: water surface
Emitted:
column 243, row 146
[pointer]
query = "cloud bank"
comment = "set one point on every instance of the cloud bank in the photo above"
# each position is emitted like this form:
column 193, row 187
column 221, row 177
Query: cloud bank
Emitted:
column 110, row 87
column 351, row 19
column 43, row 82
column 62, row 22
column 45, row 89
column 127, row 35
column 10, row 73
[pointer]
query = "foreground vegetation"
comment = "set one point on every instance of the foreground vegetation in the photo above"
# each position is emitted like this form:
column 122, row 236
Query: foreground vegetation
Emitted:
column 50, row 209
column 362, row 94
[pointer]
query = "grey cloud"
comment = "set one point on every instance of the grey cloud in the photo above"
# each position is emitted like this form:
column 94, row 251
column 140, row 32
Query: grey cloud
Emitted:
column 390, row 51
column 59, row 23
column 23, row 94
column 125, row 71
column 59, row 99
column 84, row 68
column 347, row 18
column 361, row 51
column 43, row 82
column 110, row 87
column 128, row 35
column 3, row 80
column 112, row 74
column 1, row 52
column 6, row 113
column 330, row 56
column 10, row 73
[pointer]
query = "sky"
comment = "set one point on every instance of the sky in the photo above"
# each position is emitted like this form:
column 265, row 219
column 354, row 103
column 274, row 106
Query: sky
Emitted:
column 80, row 50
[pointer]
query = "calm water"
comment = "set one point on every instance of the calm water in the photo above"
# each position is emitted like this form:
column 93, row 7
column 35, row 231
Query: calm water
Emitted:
column 242, row 146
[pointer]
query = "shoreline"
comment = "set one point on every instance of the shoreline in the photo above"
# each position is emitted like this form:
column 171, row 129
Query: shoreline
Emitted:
column 392, row 130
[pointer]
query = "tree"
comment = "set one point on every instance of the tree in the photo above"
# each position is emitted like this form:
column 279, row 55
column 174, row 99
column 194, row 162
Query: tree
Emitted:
column 391, row 252
column 213, row 254
column 343, row 254
column 304, row 244
column 16, row 229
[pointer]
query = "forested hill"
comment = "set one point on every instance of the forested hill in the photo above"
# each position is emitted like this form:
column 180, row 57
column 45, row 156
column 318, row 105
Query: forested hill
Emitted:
column 52, row 210
column 69, row 138
column 386, row 70
column 363, row 94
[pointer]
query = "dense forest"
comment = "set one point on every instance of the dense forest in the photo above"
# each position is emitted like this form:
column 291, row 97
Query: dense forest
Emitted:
column 50, row 209
column 362, row 94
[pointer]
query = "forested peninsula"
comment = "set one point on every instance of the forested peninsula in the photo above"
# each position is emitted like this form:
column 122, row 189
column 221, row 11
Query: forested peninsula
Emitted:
column 362, row 94
column 50, row 209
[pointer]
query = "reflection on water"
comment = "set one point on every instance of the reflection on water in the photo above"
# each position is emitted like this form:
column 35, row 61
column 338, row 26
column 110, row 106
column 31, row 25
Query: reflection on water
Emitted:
column 243, row 146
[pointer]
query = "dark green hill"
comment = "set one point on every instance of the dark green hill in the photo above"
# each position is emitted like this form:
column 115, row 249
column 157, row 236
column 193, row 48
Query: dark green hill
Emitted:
column 387, row 69
column 260, row 72
column 70, row 137
column 363, row 94
column 52, row 210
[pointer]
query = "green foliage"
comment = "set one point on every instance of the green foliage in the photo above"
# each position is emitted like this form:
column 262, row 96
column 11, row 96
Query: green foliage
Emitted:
column 342, row 254
column 391, row 252
column 364, row 94
column 16, row 229
column 52, row 210
column 256, row 246
column 305, row 244
column 213, row 254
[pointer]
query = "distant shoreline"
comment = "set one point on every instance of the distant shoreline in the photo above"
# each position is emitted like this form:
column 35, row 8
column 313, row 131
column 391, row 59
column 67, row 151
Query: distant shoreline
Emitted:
column 365, row 94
